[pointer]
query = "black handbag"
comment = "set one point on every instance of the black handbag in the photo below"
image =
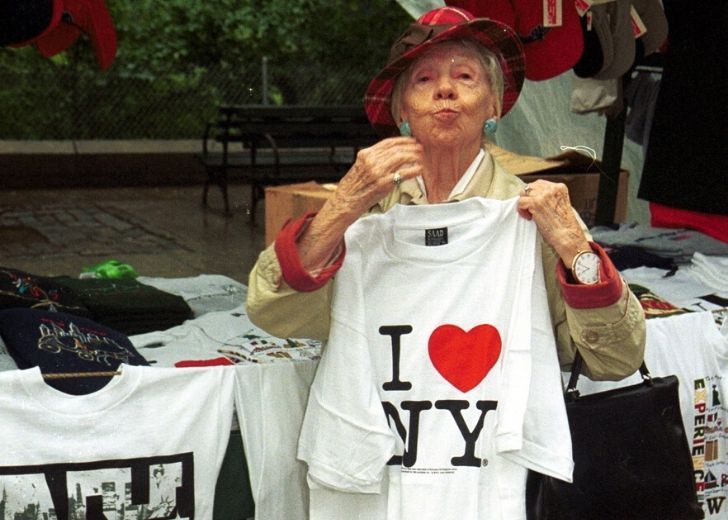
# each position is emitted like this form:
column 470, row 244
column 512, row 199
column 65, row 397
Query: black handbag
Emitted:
column 631, row 457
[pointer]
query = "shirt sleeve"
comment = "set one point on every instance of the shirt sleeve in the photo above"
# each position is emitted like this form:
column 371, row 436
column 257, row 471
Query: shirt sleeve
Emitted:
column 282, row 311
column 602, row 294
column 274, row 305
column 292, row 270
column 345, row 438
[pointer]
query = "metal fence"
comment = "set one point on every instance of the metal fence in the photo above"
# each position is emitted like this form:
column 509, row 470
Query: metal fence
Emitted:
column 81, row 103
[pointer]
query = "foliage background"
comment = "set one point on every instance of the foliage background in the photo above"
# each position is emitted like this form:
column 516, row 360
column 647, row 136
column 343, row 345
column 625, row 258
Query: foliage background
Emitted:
column 177, row 60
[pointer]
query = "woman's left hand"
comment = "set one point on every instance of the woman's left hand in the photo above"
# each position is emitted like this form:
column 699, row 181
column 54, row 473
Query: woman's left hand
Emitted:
column 548, row 204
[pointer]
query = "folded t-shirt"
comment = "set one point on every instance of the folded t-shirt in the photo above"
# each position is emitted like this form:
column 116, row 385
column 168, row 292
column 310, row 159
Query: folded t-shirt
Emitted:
column 22, row 289
column 62, row 343
column 127, row 305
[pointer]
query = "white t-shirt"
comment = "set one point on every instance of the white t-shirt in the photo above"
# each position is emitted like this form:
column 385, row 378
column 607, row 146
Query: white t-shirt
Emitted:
column 270, row 400
column 440, row 384
column 229, row 334
column 684, row 288
column 151, row 442
column 203, row 293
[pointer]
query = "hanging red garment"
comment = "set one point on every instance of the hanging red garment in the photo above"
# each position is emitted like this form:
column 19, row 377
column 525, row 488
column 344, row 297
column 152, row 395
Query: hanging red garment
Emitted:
column 709, row 223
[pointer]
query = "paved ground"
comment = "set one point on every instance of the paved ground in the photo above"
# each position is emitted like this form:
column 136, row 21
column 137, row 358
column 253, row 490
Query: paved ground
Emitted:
column 160, row 231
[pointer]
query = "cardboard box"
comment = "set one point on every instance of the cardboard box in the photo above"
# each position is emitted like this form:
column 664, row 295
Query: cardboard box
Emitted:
column 291, row 201
column 579, row 172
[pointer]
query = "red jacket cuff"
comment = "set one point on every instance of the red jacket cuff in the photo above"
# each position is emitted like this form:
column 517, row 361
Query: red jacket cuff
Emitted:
column 295, row 275
column 603, row 294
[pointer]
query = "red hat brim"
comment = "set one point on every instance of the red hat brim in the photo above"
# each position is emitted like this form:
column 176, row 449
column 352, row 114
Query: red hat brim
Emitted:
column 58, row 40
column 495, row 36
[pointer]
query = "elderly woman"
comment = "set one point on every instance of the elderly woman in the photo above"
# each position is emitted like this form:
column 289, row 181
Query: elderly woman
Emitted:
column 449, row 79
column 440, row 386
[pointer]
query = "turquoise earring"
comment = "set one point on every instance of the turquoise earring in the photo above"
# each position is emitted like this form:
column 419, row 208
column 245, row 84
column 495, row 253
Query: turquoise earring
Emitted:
column 490, row 126
column 404, row 129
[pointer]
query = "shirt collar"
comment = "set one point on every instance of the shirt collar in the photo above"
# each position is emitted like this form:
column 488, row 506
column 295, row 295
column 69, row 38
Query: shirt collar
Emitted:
column 462, row 183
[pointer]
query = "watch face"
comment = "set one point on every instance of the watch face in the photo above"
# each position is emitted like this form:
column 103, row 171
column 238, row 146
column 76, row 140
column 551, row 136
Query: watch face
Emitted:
column 586, row 268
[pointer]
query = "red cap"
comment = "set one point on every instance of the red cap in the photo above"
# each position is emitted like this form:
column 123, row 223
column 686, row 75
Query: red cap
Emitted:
column 498, row 10
column 550, row 51
column 90, row 17
column 58, row 40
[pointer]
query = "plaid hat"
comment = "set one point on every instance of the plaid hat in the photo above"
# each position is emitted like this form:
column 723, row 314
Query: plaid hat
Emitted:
column 435, row 26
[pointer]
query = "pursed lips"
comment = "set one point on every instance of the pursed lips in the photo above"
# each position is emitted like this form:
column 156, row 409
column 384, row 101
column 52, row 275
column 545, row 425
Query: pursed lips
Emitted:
column 446, row 114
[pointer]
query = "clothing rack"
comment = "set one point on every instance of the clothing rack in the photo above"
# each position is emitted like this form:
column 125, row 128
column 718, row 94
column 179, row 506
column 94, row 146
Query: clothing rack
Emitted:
column 648, row 68
column 72, row 375
column 611, row 164
column 612, row 149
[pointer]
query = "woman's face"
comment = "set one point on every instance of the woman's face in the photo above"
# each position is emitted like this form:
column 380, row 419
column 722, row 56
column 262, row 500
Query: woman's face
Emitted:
column 447, row 96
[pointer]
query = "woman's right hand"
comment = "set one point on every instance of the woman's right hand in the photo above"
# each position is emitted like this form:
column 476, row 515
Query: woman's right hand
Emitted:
column 370, row 179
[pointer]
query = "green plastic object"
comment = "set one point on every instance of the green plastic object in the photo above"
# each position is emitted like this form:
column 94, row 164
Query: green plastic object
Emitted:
column 111, row 269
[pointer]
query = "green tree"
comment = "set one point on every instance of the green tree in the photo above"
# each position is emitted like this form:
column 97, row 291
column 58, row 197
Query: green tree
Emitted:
column 178, row 60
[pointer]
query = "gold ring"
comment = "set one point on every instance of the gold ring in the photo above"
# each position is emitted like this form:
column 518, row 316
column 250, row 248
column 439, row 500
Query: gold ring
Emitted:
column 397, row 179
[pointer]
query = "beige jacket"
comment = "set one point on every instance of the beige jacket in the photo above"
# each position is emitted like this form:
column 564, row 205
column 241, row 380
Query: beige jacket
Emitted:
column 611, row 339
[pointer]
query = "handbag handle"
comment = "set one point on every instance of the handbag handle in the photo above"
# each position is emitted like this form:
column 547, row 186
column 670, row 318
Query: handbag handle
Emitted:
column 571, row 391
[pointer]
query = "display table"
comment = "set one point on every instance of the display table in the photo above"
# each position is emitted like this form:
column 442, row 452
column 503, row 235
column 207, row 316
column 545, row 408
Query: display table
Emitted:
column 261, row 475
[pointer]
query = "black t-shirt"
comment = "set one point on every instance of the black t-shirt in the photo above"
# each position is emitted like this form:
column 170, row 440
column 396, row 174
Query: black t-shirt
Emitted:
column 686, row 153
column 23, row 289
column 59, row 342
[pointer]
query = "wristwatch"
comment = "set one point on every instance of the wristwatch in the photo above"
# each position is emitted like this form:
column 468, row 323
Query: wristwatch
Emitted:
column 586, row 267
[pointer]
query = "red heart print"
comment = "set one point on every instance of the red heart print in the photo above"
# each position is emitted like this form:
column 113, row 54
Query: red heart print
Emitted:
column 464, row 358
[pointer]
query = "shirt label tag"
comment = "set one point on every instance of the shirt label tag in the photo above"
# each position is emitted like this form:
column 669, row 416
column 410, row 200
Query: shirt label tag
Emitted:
column 582, row 6
column 638, row 26
column 436, row 237
column 552, row 13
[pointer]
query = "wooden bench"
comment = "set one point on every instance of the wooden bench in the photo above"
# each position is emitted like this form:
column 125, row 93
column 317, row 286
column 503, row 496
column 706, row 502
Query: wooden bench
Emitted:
column 271, row 145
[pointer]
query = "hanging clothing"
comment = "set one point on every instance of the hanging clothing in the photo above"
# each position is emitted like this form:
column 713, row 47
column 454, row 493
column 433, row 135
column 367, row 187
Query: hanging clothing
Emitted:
column 641, row 96
column 440, row 383
column 149, row 444
column 709, row 223
column 686, row 156
column 270, row 400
